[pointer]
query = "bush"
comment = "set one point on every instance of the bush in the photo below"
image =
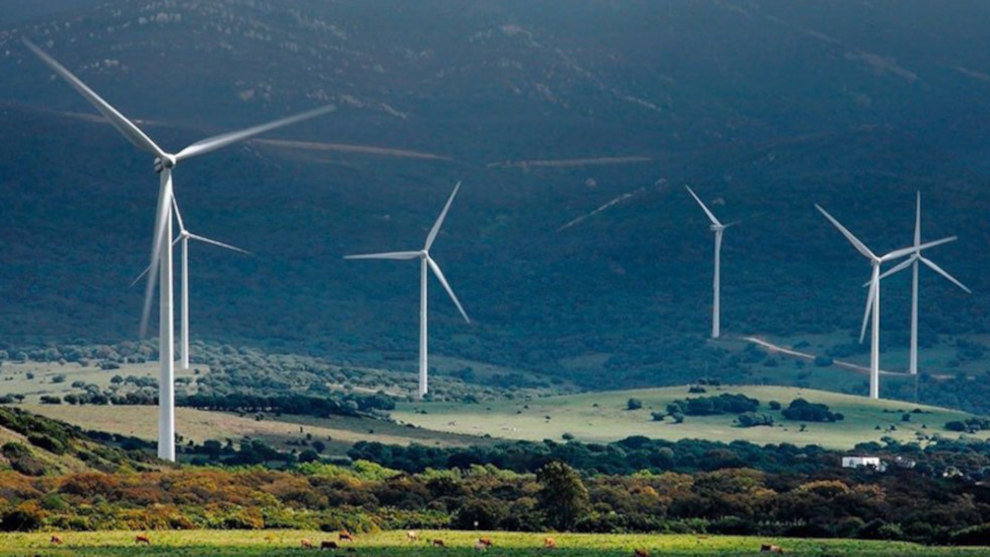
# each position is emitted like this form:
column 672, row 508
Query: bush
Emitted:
column 25, row 518
column 802, row 410
column 712, row 405
column 634, row 404
column 774, row 405
column 974, row 535
column 752, row 419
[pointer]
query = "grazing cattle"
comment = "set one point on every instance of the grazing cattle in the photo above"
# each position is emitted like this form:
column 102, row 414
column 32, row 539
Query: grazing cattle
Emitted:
column 769, row 548
column 549, row 543
column 641, row 553
column 480, row 546
column 56, row 540
column 438, row 543
column 411, row 535
column 487, row 542
column 306, row 542
column 329, row 544
column 344, row 535
column 141, row 538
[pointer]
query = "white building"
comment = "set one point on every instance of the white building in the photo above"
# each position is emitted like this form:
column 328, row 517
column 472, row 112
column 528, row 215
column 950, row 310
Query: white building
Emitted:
column 861, row 461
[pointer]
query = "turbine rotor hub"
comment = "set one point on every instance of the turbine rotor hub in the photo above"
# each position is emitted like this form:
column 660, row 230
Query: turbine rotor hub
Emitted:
column 161, row 163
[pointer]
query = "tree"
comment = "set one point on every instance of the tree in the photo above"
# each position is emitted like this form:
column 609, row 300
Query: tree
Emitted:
column 563, row 498
column 634, row 404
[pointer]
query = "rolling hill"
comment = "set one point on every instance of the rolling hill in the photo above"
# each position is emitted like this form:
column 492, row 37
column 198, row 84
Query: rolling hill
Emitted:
column 600, row 417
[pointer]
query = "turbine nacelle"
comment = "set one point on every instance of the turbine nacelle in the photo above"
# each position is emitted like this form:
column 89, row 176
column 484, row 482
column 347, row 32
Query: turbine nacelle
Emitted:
column 163, row 162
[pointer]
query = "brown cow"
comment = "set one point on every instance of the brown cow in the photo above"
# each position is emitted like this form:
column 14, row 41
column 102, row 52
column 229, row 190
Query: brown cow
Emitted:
column 770, row 548
column 438, row 543
column 306, row 542
column 56, row 540
column 345, row 535
column 329, row 544
column 480, row 546
column 641, row 553
column 487, row 542
column 549, row 543
column 141, row 538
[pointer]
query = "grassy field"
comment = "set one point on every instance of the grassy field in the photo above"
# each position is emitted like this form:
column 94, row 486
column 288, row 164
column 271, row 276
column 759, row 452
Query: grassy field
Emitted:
column 288, row 542
column 15, row 376
column 338, row 432
column 602, row 416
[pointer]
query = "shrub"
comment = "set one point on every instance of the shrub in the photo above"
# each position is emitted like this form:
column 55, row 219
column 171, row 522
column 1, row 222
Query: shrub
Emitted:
column 802, row 410
column 634, row 404
column 25, row 518
column 752, row 419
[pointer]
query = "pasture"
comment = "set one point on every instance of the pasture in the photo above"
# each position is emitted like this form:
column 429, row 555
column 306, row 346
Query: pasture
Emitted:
column 603, row 416
column 337, row 432
column 396, row 544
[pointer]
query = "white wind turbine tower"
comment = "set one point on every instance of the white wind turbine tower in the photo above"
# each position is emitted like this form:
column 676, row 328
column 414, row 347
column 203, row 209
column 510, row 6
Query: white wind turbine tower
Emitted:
column 184, row 237
column 425, row 261
column 161, row 247
column 873, row 299
column 912, row 262
column 718, row 228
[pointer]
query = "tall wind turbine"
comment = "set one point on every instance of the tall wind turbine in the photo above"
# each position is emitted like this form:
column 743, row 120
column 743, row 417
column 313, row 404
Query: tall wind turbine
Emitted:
column 873, row 300
column 718, row 228
column 161, row 246
column 912, row 262
column 183, row 238
column 425, row 261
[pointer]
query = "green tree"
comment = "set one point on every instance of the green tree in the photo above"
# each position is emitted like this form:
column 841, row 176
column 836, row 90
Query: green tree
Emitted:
column 563, row 498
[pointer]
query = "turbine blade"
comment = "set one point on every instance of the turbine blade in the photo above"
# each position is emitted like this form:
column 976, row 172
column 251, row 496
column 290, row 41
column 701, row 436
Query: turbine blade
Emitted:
column 899, row 267
column 860, row 246
column 943, row 272
column 161, row 221
column 400, row 255
column 443, row 214
column 869, row 308
column 705, row 209
column 139, row 277
column 222, row 140
column 898, row 253
column 178, row 215
column 733, row 223
column 123, row 125
column 218, row 244
column 917, row 222
column 446, row 286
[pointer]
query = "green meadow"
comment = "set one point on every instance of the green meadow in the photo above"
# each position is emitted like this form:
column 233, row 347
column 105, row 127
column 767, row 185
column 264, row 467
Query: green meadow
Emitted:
column 394, row 543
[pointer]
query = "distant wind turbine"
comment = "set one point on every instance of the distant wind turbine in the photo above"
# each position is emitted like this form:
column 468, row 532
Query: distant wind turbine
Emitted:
column 425, row 261
column 912, row 262
column 718, row 228
column 184, row 237
column 873, row 299
column 161, row 246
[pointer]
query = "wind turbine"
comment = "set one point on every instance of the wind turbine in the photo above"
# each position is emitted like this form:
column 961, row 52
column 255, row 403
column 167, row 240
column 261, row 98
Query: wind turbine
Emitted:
column 912, row 262
column 718, row 228
column 161, row 246
column 873, row 299
column 184, row 237
column 425, row 261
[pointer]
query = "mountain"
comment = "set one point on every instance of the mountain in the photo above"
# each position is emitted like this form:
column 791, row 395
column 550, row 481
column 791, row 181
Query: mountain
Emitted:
column 573, row 126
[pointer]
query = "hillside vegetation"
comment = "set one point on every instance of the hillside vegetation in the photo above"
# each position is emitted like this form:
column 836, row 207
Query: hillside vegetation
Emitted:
column 606, row 416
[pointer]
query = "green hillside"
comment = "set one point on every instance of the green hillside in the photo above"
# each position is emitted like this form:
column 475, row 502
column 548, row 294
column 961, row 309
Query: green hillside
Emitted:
column 603, row 416
column 35, row 445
